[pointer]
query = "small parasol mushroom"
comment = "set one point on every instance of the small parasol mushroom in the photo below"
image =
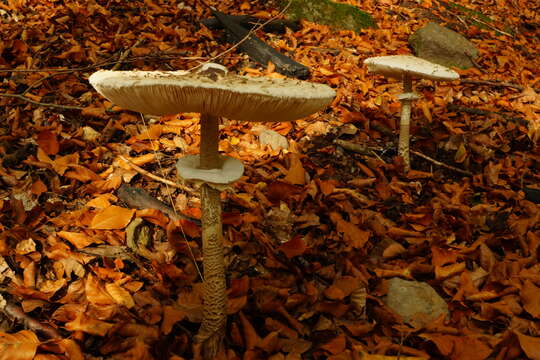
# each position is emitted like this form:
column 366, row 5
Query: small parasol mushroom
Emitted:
column 407, row 67
column 212, row 92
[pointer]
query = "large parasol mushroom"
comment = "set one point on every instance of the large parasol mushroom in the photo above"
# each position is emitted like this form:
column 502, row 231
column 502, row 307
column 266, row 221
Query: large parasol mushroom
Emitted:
column 212, row 92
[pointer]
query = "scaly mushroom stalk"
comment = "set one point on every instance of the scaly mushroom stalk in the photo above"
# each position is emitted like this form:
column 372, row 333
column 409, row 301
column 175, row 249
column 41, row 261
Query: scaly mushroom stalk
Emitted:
column 405, row 123
column 212, row 328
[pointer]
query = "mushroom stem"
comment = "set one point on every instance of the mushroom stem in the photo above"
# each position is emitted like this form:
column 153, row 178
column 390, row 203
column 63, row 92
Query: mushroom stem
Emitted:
column 215, row 297
column 209, row 142
column 405, row 123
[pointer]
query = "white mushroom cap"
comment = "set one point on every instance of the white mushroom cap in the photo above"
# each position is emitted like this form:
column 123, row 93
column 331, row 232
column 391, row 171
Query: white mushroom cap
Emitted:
column 231, row 96
column 396, row 66
column 231, row 170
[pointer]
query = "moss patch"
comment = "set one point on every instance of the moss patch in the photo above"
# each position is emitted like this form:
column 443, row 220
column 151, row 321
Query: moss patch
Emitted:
column 326, row 12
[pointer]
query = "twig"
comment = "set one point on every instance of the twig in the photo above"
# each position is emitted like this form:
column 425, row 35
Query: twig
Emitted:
column 105, row 63
column 436, row 162
column 154, row 177
column 493, row 27
column 58, row 106
column 125, row 54
column 492, row 83
column 474, row 111
column 18, row 314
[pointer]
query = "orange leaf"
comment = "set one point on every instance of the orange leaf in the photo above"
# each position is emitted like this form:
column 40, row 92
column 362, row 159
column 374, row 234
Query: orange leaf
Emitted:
column 296, row 174
column 95, row 111
column 38, row 187
column 171, row 315
column 294, row 247
column 19, row 346
column 354, row 236
column 88, row 325
column 102, row 201
column 71, row 349
column 120, row 295
column 250, row 335
column 530, row 345
column 48, row 141
column 79, row 240
column 95, row 293
column 336, row 345
column 81, row 173
column 530, row 295
column 113, row 217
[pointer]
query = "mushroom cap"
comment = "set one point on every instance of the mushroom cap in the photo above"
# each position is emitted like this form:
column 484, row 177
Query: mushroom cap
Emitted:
column 396, row 66
column 228, row 95
column 231, row 170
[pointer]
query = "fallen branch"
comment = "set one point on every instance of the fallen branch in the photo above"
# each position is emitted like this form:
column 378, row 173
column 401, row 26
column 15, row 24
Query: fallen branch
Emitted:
column 438, row 163
column 16, row 313
column 57, row 106
column 160, row 56
column 259, row 51
column 354, row 147
column 125, row 54
column 452, row 107
column 154, row 177
column 492, row 83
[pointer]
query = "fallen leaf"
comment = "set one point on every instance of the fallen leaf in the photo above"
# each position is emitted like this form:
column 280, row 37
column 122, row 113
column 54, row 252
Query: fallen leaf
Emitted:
column 113, row 217
column 19, row 346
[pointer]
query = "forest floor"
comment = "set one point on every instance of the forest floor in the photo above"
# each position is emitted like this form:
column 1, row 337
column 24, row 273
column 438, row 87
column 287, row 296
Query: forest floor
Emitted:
column 313, row 234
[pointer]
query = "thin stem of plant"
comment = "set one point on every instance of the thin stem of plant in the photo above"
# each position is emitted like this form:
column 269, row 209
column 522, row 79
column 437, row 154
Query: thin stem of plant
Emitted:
column 436, row 162
column 152, row 176
column 57, row 106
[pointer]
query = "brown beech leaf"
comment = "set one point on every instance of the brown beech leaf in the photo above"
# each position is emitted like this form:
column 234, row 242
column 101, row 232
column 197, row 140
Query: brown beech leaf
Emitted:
column 38, row 187
column 88, row 325
column 251, row 337
column 120, row 295
column 71, row 349
column 530, row 345
column 352, row 234
column 79, row 240
column 530, row 295
column 19, row 346
column 294, row 247
column 48, row 141
column 113, row 217
column 81, row 173
column 296, row 174
column 171, row 315
column 336, row 345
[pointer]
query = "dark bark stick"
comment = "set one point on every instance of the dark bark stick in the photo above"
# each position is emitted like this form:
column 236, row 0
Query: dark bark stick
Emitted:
column 140, row 199
column 15, row 312
column 260, row 51
column 474, row 111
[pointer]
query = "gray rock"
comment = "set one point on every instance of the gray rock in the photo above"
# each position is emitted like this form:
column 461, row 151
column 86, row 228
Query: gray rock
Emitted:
column 270, row 137
column 443, row 46
column 416, row 302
